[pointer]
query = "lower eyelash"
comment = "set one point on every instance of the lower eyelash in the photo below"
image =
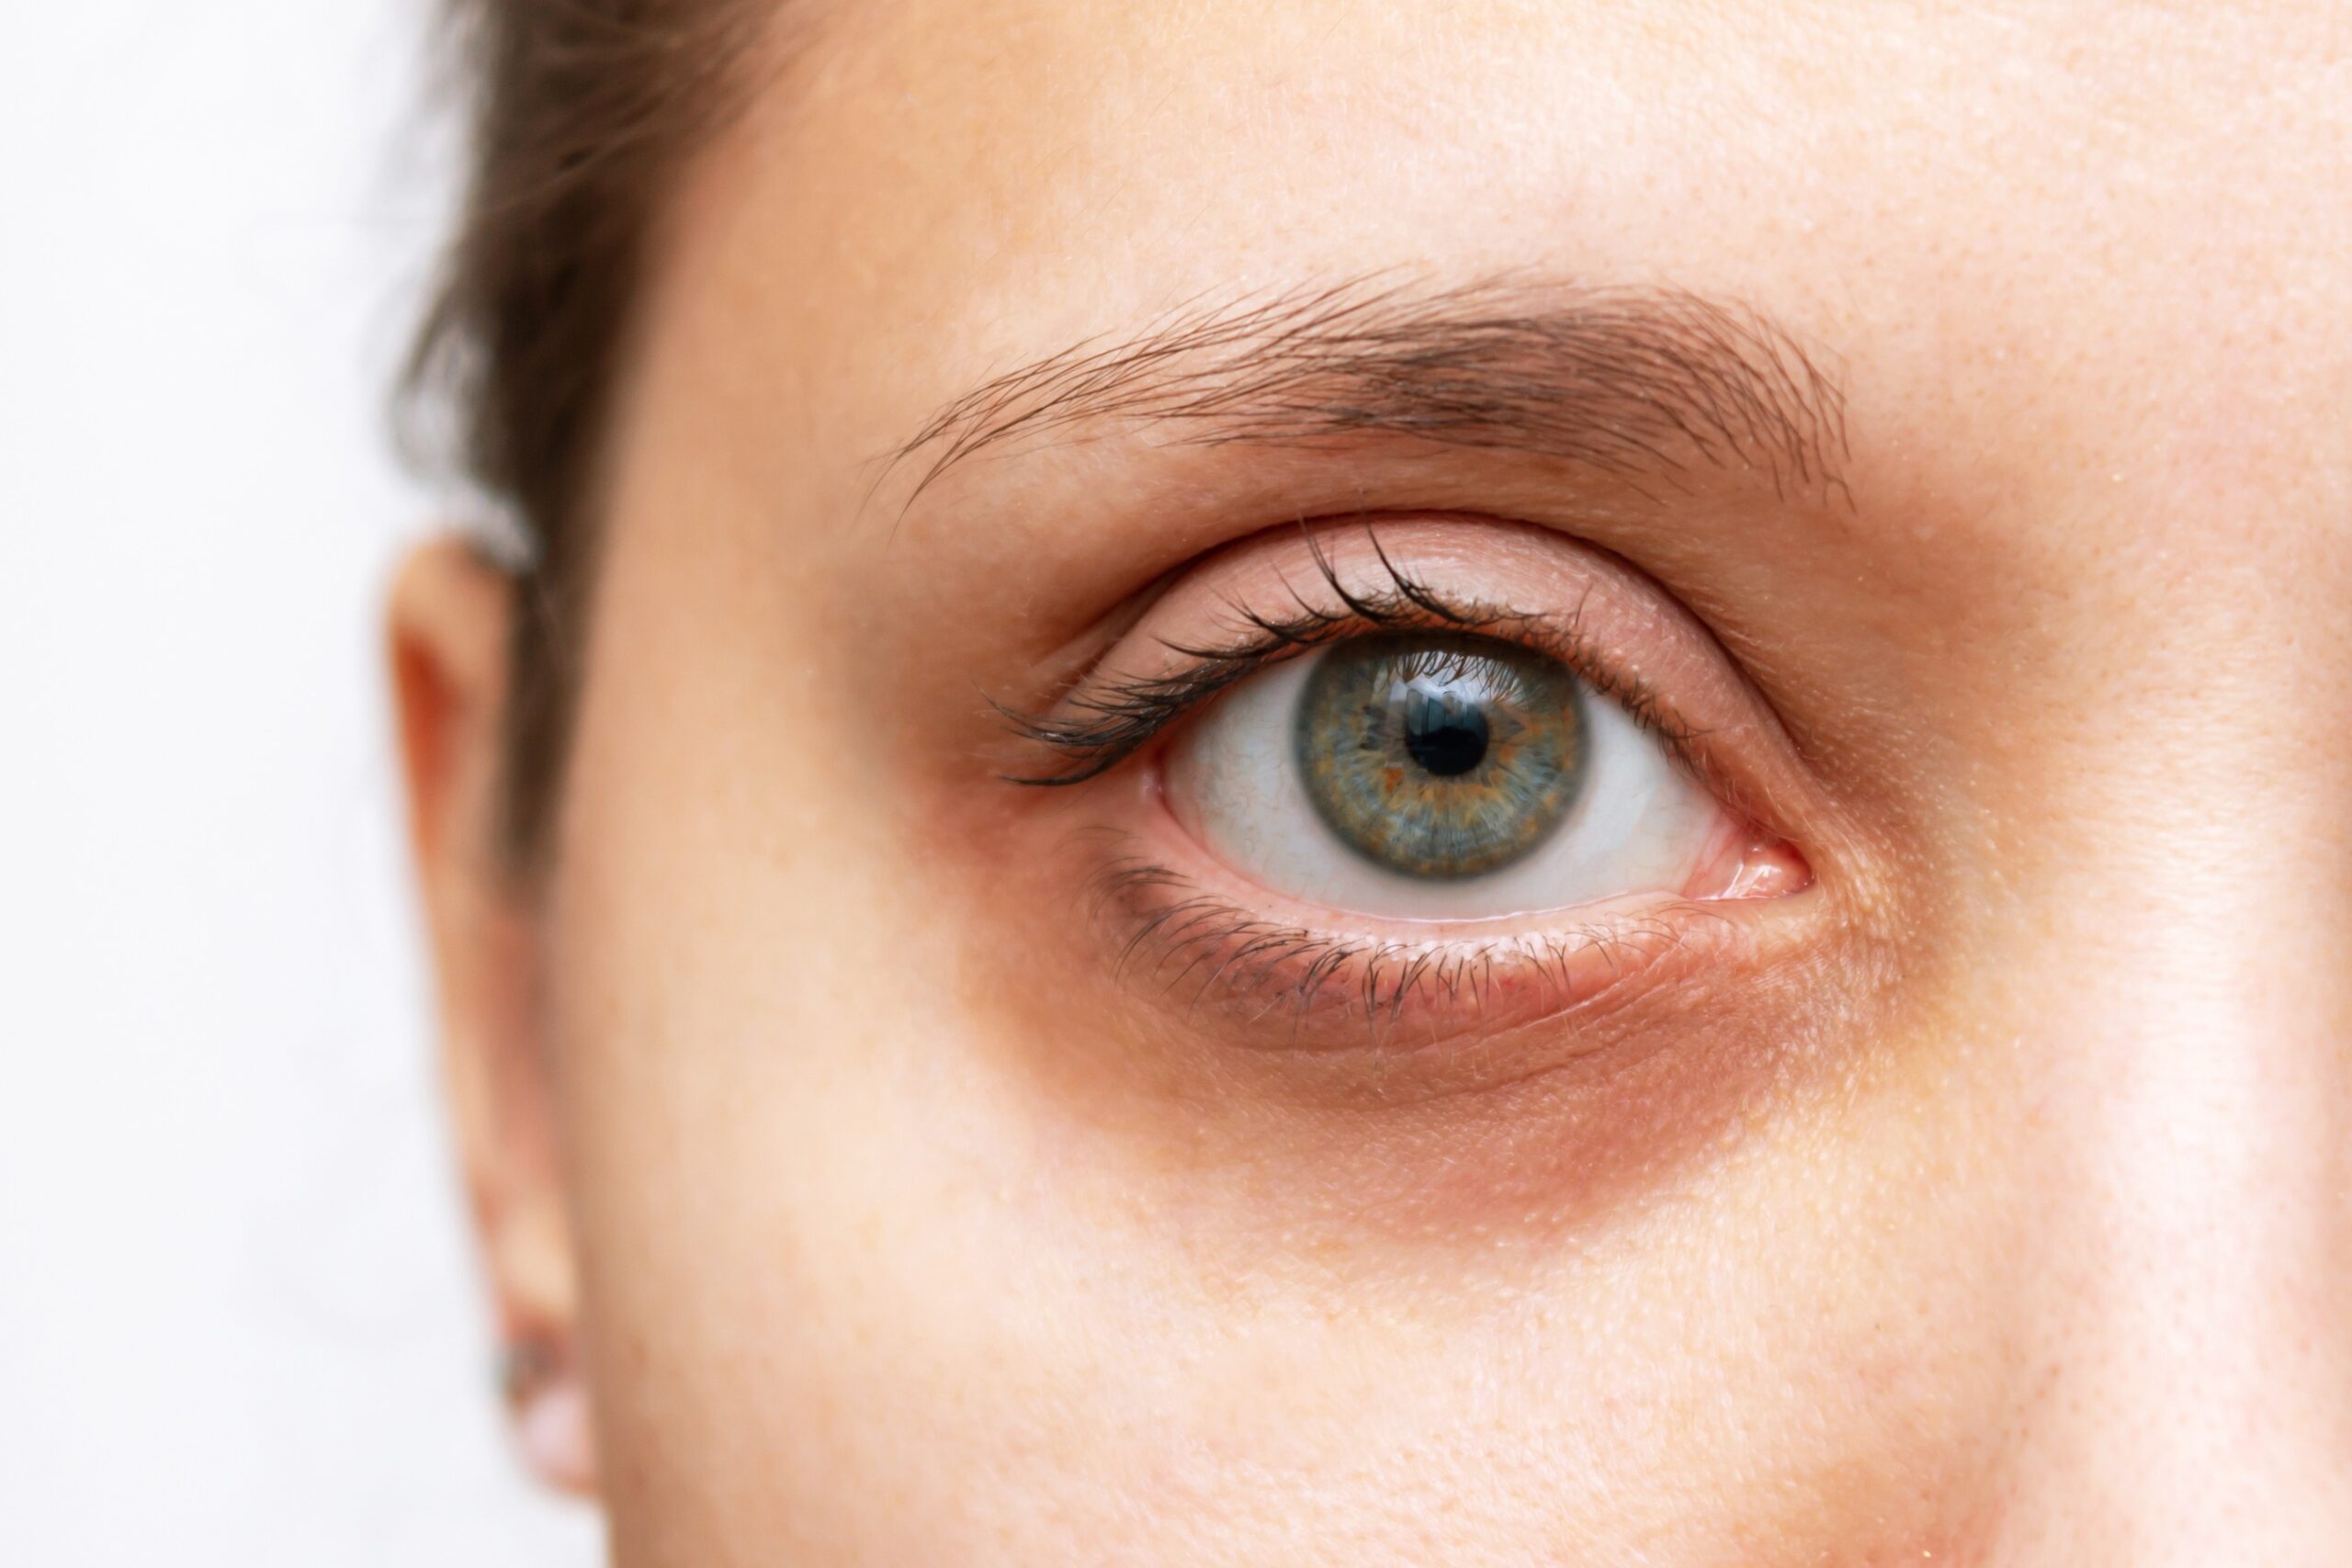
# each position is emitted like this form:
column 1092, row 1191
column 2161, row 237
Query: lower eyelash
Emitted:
column 1210, row 953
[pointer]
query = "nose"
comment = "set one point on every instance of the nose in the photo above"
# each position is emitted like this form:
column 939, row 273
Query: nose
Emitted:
column 2185, row 1354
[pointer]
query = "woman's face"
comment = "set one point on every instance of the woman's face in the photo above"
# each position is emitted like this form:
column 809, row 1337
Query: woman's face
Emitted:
column 1770, row 985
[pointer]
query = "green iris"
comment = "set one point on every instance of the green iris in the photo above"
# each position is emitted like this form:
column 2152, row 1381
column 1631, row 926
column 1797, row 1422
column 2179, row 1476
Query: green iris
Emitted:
column 1440, row 756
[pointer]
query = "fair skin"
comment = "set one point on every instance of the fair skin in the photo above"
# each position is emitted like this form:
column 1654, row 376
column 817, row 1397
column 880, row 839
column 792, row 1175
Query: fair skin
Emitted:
column 1953, row 1167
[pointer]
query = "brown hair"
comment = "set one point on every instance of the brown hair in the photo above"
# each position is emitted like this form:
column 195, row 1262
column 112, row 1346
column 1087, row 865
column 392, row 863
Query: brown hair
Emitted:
column 582, row 113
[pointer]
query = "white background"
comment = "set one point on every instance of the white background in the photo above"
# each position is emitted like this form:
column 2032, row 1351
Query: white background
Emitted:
column 238, row 1318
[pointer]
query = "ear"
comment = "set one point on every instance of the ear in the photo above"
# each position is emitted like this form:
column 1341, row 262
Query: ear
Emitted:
column 447, row 626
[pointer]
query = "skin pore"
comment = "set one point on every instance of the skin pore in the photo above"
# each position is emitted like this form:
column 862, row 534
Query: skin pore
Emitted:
column 1958, row 1176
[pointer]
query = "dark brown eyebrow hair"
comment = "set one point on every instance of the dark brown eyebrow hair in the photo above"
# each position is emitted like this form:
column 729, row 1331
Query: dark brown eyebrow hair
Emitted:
column 1626, row 382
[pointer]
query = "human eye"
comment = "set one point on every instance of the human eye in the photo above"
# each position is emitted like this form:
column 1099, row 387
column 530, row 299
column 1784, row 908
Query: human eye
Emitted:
column 1439, row 774
column 1447, row 771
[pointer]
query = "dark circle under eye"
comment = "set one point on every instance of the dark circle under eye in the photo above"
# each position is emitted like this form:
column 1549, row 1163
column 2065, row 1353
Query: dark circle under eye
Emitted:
column 1443, row 755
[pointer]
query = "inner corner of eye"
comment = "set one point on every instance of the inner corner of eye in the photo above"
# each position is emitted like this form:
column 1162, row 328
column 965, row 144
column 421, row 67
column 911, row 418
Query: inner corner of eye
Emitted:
column 1445, row 775
column 1751, row 863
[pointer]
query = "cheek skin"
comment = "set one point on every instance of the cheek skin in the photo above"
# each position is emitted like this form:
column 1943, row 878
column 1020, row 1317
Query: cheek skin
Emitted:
column 886, row 1254
column 1534, row 1132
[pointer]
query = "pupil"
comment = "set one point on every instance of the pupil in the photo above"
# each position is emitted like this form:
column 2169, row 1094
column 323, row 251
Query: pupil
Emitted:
column 1442, row 758
column 1444, row 737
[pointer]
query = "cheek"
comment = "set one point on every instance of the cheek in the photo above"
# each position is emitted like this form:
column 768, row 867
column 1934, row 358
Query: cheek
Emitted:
column 852, row 1290
column 862, row 1281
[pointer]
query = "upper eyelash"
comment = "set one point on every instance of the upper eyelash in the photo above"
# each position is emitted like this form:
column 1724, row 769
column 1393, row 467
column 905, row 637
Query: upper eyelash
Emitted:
column 1095, row 731
column 1098, row 730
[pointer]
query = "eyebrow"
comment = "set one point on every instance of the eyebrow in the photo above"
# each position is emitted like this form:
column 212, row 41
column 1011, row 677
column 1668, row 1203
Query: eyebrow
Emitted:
column 1626, row 382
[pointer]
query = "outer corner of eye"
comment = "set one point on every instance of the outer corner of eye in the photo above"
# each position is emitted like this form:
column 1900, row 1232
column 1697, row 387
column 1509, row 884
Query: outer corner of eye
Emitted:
column 1452, row 776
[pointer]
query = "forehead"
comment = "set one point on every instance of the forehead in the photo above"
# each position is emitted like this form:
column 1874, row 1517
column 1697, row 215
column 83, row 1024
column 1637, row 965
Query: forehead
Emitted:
column 2121, row 227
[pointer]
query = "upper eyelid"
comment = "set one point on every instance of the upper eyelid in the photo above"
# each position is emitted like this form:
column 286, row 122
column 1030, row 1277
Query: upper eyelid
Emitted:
column 1100, row 729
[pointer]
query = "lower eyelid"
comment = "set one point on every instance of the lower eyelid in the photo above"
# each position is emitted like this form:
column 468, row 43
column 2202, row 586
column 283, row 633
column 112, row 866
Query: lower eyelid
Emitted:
column 1299, row 983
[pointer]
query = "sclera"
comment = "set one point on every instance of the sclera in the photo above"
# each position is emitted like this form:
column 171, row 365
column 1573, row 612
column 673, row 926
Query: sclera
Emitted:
column 1640, row 825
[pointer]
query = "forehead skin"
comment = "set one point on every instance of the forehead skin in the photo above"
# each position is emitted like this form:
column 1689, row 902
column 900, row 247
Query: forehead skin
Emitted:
column 2021, row 1252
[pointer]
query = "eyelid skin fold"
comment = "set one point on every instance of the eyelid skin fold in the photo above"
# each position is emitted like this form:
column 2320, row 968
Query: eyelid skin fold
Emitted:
column 1262, row 599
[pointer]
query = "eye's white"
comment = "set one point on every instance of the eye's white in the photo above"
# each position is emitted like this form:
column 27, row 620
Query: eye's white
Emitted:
column 1638, row 824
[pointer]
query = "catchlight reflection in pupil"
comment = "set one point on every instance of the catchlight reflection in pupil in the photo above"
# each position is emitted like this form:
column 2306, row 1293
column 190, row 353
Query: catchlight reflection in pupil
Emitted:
column 1444, row 734
column 1441, row 756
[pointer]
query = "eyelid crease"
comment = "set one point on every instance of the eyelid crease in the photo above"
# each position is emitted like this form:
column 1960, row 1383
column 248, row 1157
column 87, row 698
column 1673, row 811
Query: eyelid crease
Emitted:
column 1095, row 731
